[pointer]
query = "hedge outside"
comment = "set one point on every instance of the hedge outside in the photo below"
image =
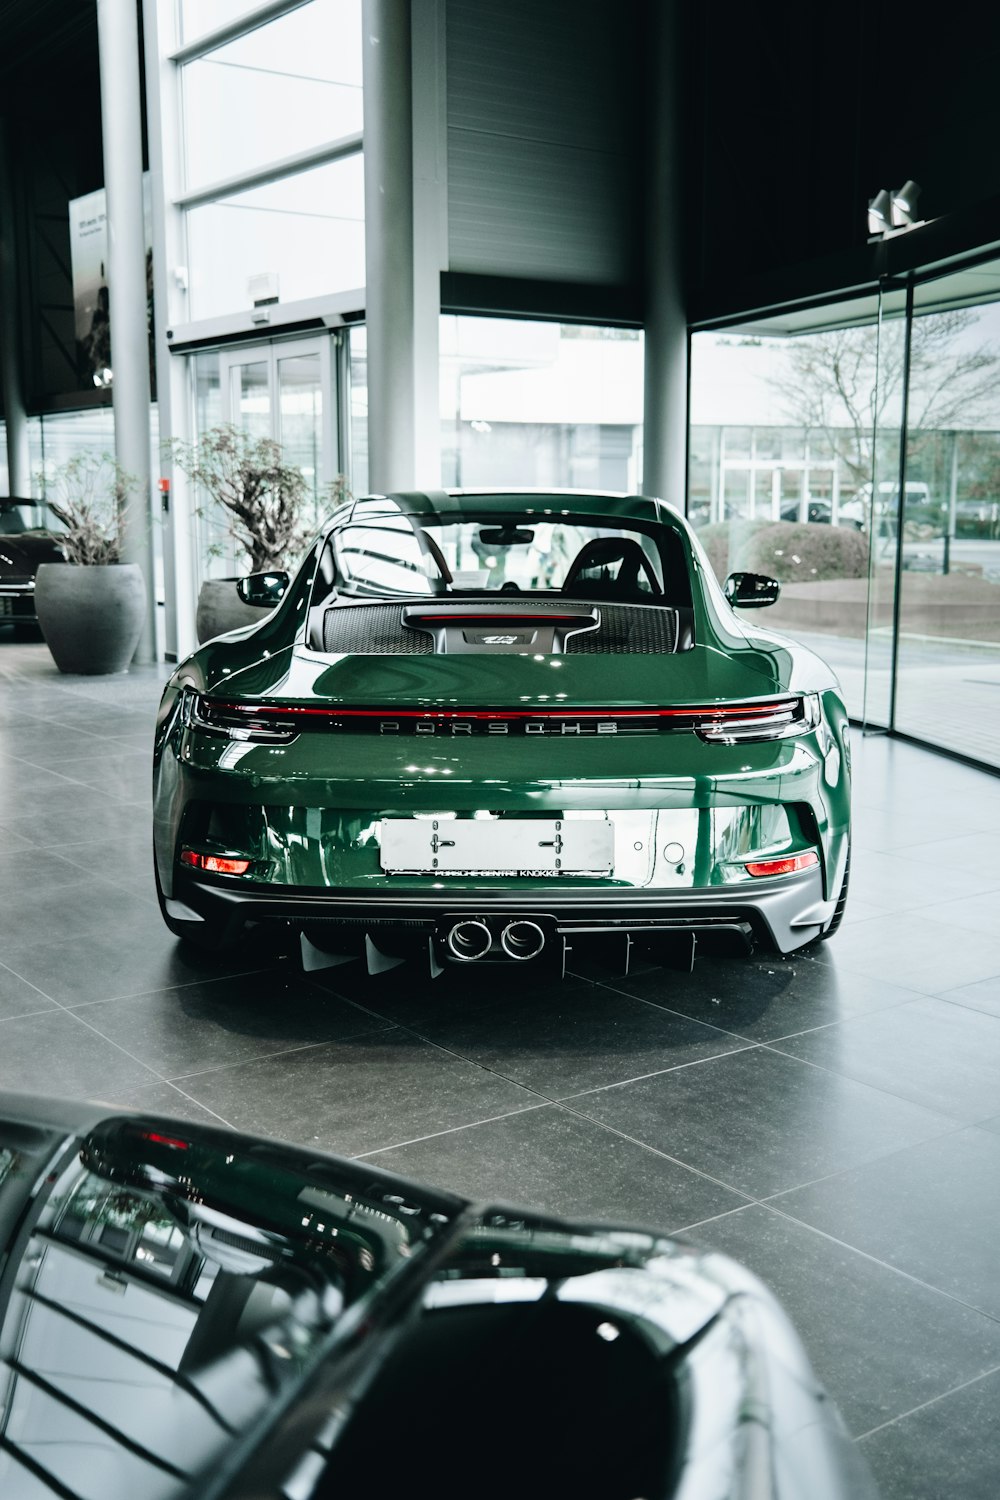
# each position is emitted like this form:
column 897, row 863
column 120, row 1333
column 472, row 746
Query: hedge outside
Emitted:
column 786, row 550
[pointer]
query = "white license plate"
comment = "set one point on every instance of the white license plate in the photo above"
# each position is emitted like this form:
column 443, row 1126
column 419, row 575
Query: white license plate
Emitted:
column 500, row 846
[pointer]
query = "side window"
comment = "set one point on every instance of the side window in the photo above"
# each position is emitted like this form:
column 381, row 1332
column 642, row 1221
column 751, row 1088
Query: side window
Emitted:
column 381, row 558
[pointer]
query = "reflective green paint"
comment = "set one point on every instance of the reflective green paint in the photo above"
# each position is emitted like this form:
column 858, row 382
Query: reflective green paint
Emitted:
column 307, row 812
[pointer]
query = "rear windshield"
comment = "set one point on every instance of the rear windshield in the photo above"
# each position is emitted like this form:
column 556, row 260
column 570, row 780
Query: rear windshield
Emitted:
column 389, row 554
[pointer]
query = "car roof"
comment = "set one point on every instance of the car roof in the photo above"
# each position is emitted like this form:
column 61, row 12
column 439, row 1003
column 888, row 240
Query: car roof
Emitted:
column 455, row 503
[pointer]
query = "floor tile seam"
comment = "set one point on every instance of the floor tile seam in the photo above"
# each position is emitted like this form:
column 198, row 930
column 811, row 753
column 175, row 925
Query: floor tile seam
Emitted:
column 933, row 1401
column 859, row 1015
column 667, row 1009
column 72, row 868
column 525, row 1109
column 948, row 998
column 919, row 860
column 869, row 1161
column 748, row 1199
column 307, row 977
column 726, row 1213
column 599, row 1088
column 121, row 838
column 30, row 986
column 260, row 1057
column 33, row 765
column 22, row 1015
column 117, row 1045
column 875, row 1260
column 693, row 1062
column 161, row 989
column 876, row 1088
column 472, row 1062
column 199, row 1103
column 56, row 844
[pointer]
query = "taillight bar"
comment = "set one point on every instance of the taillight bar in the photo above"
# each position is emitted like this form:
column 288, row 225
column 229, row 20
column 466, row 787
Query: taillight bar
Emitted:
column 771, row 718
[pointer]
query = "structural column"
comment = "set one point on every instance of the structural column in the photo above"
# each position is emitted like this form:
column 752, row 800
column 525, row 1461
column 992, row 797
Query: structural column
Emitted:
column 401, row 266
column 665, row 418
column 121, row 115
column 18, row 457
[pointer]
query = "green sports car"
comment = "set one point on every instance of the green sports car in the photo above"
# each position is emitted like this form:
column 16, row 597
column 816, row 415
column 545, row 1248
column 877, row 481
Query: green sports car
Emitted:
column 484, row 726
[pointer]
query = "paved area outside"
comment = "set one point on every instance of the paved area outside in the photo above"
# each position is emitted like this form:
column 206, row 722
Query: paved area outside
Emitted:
column 833, row 1120
column 948, row 693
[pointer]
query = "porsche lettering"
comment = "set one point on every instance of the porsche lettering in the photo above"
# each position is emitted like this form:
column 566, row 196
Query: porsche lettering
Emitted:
column 454, row 728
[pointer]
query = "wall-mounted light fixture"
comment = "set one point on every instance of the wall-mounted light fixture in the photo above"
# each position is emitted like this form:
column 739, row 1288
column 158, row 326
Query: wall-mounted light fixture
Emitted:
column 879, row 213
column 904, row 204
column 891, row 213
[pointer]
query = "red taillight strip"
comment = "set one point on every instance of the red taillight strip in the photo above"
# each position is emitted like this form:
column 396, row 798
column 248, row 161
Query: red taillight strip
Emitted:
column 562, row 711
column 214, row 864
column 783, row 866
column 163, row 1140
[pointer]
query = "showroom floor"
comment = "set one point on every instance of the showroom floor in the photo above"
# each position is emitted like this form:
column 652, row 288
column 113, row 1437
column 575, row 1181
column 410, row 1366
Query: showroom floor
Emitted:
column 831, row 1120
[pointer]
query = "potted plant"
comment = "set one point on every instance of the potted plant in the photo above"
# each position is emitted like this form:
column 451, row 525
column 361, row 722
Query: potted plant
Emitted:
column 91, row 612
column 264, row 502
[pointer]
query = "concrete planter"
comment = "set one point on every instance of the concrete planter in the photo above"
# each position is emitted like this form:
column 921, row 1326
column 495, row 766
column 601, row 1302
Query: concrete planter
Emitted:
column 91, row 617
column 220, row 608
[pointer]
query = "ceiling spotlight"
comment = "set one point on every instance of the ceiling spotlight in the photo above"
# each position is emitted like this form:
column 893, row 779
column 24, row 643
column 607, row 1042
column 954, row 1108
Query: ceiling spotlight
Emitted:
column 904, row 203
column 879, row 212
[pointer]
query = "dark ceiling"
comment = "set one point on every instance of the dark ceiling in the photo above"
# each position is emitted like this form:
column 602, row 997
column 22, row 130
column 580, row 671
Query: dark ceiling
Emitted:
column 48, row 60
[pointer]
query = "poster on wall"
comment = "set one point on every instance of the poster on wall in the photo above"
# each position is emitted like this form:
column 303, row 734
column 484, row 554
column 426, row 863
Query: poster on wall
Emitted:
column 88, row 240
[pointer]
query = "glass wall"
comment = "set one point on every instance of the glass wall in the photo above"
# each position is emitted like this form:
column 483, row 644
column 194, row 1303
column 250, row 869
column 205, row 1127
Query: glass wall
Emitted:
column 278, row 90
column 948, row 669
column 540, row 404
column 854, row 454
column 290, row 86
column 782, row 450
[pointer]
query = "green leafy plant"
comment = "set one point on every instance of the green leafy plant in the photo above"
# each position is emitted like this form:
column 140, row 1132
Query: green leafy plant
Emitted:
column 265, row 500
column 90, row 496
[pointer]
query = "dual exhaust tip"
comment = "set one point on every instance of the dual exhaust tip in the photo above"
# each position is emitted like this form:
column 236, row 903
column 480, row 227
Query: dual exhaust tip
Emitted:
column 472, row 939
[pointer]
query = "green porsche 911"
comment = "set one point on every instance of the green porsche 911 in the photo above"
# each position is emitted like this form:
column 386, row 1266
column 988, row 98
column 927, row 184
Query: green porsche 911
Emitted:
column 492, row 727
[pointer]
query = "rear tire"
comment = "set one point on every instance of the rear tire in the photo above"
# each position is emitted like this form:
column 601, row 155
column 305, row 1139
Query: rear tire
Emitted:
column 838, row 914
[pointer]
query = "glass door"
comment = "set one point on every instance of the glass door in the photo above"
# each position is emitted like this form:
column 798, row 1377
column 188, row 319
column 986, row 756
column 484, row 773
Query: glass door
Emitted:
column 284, row 391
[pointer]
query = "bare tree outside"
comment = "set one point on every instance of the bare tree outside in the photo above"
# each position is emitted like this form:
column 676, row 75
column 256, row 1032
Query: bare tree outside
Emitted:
column 829, row 384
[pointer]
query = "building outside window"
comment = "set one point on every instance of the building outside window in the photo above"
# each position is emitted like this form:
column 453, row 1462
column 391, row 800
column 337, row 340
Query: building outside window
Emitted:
column 537, row 404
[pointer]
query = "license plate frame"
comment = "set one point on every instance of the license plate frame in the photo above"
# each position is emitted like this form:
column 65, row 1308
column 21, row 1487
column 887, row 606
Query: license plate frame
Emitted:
column 497, row 846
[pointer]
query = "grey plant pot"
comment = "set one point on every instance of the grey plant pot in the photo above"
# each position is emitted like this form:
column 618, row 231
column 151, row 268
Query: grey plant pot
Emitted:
column 220, row 608
column 91, row 618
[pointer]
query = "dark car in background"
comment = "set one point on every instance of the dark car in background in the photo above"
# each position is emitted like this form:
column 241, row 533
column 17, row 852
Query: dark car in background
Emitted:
column 185, row 1311
column 23, row 548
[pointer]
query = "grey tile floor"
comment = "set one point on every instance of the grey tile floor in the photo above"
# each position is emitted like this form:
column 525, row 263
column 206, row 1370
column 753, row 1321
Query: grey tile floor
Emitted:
column 833, row 1120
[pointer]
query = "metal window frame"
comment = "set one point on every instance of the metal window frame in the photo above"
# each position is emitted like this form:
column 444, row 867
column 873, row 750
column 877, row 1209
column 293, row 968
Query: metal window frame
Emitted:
column 288, row 166
column 232, row 30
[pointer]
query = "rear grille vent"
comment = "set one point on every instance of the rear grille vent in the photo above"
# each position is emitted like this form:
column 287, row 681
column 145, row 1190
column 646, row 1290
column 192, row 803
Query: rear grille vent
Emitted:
column 378, row 630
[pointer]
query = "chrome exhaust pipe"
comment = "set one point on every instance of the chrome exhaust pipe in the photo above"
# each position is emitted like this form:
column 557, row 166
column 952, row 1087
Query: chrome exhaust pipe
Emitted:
column 522, row 940
column 469, row 940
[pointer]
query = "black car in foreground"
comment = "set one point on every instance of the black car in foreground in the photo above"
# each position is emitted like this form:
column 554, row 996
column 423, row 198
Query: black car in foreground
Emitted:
column 23, row 549
column 185, row 1311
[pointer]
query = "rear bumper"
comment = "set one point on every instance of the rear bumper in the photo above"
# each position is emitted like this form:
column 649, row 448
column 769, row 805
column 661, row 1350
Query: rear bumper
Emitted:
column 787, row 911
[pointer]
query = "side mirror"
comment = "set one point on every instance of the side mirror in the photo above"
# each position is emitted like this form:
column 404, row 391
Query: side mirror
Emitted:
column 263, row 589
column 751, row 590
